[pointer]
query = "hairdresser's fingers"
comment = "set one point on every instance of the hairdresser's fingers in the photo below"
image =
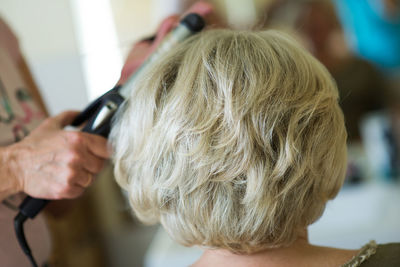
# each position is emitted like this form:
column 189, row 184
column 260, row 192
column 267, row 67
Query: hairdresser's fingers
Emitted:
column 73, row 191
column 143, row 49
column 88, row 152
column 202, row 8
column 85, row 180
column 207, row 11
column 91, row 155
column 165, row 27
column 135, row 58
column 59, row 121
column 90, row 162
column 97, row 145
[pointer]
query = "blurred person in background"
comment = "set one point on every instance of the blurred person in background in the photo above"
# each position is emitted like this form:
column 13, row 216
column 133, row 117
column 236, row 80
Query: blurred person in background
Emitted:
column 364, row 74
column 362, row 86
column 372, row 29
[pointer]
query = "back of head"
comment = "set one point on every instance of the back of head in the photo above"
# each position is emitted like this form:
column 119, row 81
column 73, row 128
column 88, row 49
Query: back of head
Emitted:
column 233, row 140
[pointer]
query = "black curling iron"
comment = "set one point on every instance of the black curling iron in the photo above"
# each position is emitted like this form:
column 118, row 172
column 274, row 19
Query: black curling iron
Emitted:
column 99, row 114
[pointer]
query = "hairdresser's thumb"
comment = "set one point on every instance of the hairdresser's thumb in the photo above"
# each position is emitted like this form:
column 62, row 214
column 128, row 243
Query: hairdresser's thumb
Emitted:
column 63, row 119
column 201, row 7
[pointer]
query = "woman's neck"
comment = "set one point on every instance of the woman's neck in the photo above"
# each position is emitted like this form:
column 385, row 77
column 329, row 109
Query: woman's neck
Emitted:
column 299, row 253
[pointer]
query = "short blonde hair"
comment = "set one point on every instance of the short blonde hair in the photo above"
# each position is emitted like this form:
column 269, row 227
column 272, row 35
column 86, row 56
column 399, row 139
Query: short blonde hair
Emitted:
column 233, row 140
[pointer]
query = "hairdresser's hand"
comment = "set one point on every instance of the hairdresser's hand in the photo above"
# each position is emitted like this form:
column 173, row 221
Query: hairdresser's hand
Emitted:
column 143, row 49
column 53, row 163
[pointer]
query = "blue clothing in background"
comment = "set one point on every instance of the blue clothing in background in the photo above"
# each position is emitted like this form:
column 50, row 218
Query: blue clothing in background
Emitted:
column 370, row 32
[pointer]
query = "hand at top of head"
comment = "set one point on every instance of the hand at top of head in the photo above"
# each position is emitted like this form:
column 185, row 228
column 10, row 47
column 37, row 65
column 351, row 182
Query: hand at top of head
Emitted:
column 143, row 49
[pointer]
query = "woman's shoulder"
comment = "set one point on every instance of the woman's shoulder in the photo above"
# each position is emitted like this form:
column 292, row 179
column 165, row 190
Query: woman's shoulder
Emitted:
column 372, row 255
column 386, row 255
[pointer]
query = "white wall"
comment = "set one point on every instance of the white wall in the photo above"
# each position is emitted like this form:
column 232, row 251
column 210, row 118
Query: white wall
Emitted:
column 46, row 33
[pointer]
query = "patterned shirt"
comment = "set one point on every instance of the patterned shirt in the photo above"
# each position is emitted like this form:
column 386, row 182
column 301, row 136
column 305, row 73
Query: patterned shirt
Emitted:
column 19, row 114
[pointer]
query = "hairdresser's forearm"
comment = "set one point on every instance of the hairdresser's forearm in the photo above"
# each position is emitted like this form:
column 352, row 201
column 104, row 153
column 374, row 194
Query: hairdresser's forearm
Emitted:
column 9, row 184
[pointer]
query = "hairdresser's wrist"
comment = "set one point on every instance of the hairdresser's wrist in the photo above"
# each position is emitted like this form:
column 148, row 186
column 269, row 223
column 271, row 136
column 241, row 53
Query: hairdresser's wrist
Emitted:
column 10, row 183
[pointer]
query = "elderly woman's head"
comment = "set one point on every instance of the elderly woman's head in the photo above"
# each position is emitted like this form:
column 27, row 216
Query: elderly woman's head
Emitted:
column 233, row 140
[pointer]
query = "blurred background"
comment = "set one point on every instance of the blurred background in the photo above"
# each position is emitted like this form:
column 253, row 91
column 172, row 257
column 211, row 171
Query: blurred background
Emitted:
column 76, row 48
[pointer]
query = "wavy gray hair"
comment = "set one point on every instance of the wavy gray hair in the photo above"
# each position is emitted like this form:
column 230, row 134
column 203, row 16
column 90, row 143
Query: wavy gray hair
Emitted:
column 232, row 140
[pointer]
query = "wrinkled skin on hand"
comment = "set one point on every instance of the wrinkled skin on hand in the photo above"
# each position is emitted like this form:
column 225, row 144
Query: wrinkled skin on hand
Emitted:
column 53, row 163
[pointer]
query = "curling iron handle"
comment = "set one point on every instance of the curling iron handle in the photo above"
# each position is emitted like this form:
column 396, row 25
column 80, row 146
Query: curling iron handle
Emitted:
column 98, row 122
column 30, row 207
